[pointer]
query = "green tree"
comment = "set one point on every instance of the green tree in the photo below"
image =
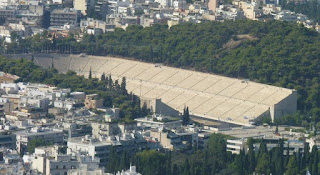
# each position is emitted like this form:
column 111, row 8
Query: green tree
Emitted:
column 315, row 162
column 123, row 86
column 34, row 143
column 251, row 156
column 217, row 149
column 263, row 164
column 292, row 167
column 90, row 74
column 103, row 77
column 186, row 170
column 185, row 116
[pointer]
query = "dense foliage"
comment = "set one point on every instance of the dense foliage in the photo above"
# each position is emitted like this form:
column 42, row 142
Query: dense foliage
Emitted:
column 274, row 52
column 36, row 143
column 112, row 92
column 309, row 8
column 216, row 160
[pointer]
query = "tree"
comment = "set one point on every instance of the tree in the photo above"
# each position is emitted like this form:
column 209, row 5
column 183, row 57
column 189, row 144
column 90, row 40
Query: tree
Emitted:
column 217, row 148
column 168, row 163
column 151, row 162
column 315, row 161
column 103, row 77
column 186, row 170
column 123, row 86
column 175, row 169
column 52, row 63
column 36, row 143
column 251, row 156
column 110, row 83
column 90, row 74
column 292, row 167
column 263, row 164
column 263, row 149
column 185, row 116
column 54, row 42
column 113, row 161
column 238, row 164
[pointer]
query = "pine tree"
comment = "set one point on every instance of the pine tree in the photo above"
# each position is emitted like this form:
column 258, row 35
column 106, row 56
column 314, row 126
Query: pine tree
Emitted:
column 54, row 42
column 279, row 168
column 185, row 116
column 175, row 169
column 292, row 167
column 239, row 163
column 123, row 86
column 263, row 149
column 110, row 83
column 52, row 63
column 103, row 77
column 205, row 169
column 116, row 85
column 251, row 156
column 90, row 74
column 315, row 162
column 299, row 160
column 286, row 160
column 263, row 164
column 169, row 163
column 124, row 162
column 305, row 156
column 315, row 129
column 112, row 161
column 186, row 167
column 106, row 80
column 151, row 53
column 32, row 58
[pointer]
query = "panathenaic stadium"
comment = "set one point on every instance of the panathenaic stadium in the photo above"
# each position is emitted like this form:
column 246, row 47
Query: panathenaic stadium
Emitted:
column 169, row 90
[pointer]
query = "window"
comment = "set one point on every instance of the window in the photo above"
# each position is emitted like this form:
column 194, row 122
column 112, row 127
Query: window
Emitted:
column 64, row 167
column 57, row 167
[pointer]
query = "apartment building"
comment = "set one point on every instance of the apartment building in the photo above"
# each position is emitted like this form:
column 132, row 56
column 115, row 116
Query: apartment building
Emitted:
column 23, row 138
column 65, row 16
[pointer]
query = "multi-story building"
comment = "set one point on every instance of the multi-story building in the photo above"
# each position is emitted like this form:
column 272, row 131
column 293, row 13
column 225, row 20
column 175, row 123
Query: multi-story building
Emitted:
column 23, row 138
column 91, row 23
column 8, row 140
column 203, row 138
column 235, row 146
column 90, row 146
column 93, row 101
column 61, row 164
column 167, row 140
column 158, row 121
column 66, row 16
column 7, row 15
column 82, row 5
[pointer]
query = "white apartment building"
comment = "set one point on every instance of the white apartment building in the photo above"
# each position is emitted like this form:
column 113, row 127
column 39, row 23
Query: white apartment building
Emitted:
column 131, row 171
column 235, row 146
column 23, row 138
column 60, row 165
column 90, row 146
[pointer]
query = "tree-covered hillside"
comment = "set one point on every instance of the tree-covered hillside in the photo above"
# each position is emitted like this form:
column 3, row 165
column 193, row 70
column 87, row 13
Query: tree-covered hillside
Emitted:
column 273, row 52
